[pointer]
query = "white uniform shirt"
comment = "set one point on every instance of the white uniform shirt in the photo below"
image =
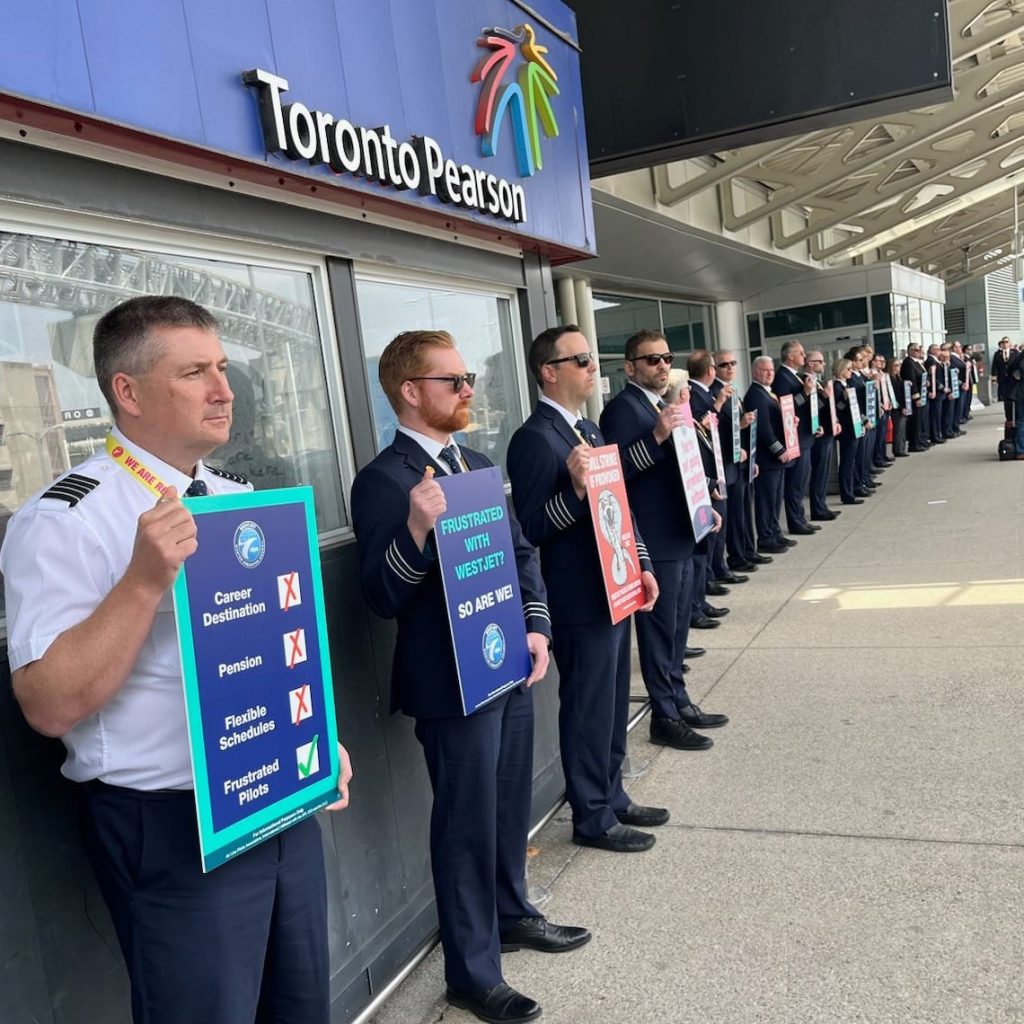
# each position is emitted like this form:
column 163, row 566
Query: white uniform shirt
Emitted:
column 59, row 561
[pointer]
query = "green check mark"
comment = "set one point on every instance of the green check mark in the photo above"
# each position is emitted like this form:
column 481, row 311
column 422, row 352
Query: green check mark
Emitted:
column 304, row 769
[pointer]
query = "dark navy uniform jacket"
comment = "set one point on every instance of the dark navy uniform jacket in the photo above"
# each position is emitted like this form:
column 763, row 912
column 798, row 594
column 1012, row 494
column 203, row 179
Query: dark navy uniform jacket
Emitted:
column 788, row 382
column 401, row 582
column 652, row 475
column 770, row 437
column 556, row 521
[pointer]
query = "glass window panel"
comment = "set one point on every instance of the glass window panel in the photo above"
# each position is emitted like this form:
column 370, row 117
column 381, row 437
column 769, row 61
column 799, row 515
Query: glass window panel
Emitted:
column 53, row 416
column 882, row 343
column 618, row 316
column 902, row 341
column 914, row 306
column 926, row 316
column 821, row 317
column 482, row 328
column 901, row 312
column 881, row 311
column 679, row 319
column 754, row 332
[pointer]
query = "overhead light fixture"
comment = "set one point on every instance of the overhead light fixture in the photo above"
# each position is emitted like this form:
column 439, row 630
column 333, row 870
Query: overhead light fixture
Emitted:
column 965, row 266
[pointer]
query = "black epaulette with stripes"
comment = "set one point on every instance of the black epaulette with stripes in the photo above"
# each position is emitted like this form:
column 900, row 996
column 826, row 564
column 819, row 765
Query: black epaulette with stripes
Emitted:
column 72, row 488
column 228, row 476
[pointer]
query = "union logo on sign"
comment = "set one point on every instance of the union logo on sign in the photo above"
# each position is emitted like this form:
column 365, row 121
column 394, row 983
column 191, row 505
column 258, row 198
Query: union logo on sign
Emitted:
column 250, row 544
column 493, row 645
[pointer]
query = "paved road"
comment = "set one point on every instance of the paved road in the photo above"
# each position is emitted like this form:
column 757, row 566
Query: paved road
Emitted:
column 852, row 849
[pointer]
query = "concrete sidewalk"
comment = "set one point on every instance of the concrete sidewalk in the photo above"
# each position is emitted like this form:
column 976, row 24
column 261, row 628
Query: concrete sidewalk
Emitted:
column 852, row 848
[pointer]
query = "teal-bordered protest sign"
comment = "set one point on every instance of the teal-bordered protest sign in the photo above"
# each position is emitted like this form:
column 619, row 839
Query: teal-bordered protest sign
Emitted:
column 259, row 695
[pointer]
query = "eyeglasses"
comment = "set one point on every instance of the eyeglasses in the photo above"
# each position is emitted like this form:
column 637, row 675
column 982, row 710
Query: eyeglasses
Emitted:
column 722, row 366
column 457, row 380
column 581, row 359
column 654, row 358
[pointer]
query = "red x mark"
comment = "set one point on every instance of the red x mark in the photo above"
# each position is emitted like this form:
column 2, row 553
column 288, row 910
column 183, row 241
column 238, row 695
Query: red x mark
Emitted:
column 301, row 704
column 290, row 594
column 296, row 653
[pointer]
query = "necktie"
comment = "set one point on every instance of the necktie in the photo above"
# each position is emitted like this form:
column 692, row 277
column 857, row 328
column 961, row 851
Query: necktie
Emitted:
column 581, row 429
column 661, row 404
column 450, row 459
column 196, row 489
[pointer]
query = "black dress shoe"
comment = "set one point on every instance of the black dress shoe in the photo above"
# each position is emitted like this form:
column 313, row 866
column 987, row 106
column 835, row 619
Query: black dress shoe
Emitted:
column 697, row 719
column 540, row 934
column 673, row 732
column 760, row 559
column 499, row 1005
column 862, row 493
column 642, row 817
column 705, row 623
column 775, row 549
column 745, row 567
column 715, row 613
column 789, row 542
column 827, row 518
column 618, row 839
column 733, row 579
column 686, row 668
column 715, row 589
column 903, row 455
column 695, row 652
column 853, row 501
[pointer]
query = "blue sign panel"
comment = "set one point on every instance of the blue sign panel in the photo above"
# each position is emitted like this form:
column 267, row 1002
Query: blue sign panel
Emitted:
column 481, row 587
column 258, row 688
column 468, row 108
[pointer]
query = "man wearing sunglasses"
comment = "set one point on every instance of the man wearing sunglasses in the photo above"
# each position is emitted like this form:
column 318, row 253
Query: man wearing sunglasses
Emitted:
column 548, row 459
column 480, row 765
column 640, row 422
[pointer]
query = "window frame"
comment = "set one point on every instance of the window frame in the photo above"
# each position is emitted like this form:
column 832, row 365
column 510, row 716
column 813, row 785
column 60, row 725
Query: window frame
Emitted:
column 95, row 229
column 375, row 274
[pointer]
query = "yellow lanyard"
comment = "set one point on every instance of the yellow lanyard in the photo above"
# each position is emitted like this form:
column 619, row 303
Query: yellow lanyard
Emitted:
column 129, row 462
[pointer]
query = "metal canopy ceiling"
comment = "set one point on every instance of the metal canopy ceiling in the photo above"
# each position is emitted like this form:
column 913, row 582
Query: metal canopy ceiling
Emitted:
column 933, row 189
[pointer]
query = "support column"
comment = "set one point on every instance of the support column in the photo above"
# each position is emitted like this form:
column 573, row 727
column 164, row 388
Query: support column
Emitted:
column 731, row 331
column 588, row 325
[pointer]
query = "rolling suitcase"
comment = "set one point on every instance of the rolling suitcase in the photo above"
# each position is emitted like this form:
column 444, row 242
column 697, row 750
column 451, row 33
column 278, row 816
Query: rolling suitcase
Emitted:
column 1007, row 450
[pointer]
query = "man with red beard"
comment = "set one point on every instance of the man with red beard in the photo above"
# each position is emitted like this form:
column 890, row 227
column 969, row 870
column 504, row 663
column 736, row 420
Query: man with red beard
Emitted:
column 480, row 765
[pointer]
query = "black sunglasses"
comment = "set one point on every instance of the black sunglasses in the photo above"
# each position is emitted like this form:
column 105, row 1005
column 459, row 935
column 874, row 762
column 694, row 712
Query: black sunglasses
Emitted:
column 457, row 380
column 654, row 358
column 581, row 359
column 722, row 366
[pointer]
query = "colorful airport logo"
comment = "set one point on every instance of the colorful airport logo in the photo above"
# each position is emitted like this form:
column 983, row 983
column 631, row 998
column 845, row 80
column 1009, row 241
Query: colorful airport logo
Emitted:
column 250, row 544
column 493, row 645
column 525, row 102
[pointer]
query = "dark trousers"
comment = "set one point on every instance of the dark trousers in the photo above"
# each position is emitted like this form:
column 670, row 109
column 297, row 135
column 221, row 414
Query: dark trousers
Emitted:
column 847, row 465
column 918, row 426
column 768, row 492
column 699, row 587
column 244, row 943
column 716, row 566
column 798, row 475
column 593, row 671
column 821, row 467
column 949, row 418
column 862, row 471
column 1008, row 410
column 935, row 417
column 481, row 771
column 881, row 429
column 661, row 636
column 899, row 432
column 965, row 406
column 738, row 531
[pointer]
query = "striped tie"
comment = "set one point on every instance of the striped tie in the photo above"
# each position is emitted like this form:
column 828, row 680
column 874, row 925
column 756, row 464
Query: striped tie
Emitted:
column 450, row 459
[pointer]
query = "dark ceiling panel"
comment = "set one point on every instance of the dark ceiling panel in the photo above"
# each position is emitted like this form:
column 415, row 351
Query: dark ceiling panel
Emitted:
column 664, row 79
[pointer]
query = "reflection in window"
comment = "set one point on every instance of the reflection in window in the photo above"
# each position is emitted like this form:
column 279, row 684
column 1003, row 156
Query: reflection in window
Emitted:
column 482, row 328
column 618, row 317
column 53, row 416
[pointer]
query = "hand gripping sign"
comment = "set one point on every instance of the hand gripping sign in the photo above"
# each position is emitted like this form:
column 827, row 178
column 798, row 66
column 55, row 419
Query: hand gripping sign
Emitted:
column 691, row 471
